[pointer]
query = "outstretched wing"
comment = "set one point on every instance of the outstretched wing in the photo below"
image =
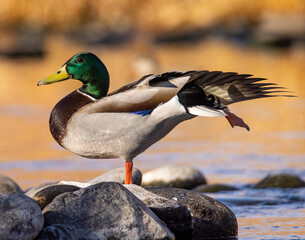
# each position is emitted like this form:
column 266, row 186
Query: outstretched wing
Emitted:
column 152, row 90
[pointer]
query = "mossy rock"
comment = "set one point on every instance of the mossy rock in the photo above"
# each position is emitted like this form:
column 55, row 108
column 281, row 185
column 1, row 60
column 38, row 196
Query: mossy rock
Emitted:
column 213, row 188
column 280, row 181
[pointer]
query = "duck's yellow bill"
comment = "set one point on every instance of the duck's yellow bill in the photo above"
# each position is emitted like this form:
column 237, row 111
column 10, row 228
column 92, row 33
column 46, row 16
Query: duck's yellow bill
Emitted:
column 60, row 75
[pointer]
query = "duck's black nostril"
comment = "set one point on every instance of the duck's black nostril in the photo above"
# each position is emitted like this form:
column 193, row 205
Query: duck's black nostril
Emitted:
column 58, row 72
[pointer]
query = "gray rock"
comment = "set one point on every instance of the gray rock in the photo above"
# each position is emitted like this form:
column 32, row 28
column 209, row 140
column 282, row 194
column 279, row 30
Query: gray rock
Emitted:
column 65, row 228
column 173, row 176
column 46, row 195
column 107, row 210
column 118, row 175
column 176, row 216
column 65, row 232
column 280, row 181
column 20, row 217
column 211, row 219
column 8, row 185
column 32, row 191
column 213, row 188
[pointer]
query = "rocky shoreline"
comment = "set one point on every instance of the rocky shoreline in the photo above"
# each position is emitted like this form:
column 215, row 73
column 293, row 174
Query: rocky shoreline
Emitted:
column 104, row 208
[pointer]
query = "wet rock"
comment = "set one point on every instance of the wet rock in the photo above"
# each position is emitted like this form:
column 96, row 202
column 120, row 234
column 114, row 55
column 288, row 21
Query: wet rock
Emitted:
column 118, row 175
column 173, row 176
column 213, row 188
column 32, row 191
column 176, row 216
column 20, row 217
column 280, row 181
column 211, row 219
column 106, row 210
column 46, row 195
column 8, row 185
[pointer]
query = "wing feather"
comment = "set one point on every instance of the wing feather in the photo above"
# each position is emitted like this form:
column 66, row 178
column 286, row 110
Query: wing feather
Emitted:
column 152, row 90
column 231, row 87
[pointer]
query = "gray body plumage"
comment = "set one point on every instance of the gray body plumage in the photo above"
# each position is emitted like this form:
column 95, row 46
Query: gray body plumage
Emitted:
column 124, row 135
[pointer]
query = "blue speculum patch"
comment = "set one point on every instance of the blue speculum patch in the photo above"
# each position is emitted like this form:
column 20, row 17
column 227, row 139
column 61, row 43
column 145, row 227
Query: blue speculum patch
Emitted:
column 143, row 112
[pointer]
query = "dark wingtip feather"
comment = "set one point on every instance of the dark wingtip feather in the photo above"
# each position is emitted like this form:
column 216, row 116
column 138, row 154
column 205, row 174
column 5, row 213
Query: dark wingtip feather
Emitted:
column 239, row 87
column 281, row 95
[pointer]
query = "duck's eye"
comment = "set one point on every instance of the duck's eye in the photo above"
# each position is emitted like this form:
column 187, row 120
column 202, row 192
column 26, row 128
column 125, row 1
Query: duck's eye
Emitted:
column 79, row 60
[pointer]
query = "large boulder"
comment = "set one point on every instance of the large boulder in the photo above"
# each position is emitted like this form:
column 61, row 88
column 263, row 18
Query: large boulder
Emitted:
column 20, row 217
column 118, row 175
column 176, row 216
column 8, row 185
column 104, row 210
column 173, row 176
column 280, row 181
column 211, row 219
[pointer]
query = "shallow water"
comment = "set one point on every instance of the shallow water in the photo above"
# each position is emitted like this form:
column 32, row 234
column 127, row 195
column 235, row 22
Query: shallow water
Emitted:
column 267, row 214
column 275, row 144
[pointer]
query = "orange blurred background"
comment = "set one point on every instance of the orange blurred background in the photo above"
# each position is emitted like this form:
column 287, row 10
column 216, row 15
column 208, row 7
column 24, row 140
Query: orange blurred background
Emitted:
column 133, row 38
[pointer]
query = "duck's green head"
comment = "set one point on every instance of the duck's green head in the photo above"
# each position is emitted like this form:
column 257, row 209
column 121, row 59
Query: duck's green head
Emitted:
column 87, row 68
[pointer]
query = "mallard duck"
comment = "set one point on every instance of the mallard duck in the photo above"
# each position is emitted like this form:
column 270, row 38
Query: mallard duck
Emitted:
column 93, row 124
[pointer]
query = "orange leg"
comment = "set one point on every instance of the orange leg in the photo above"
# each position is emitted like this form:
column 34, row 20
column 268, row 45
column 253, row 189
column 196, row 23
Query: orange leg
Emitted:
column 128, row 173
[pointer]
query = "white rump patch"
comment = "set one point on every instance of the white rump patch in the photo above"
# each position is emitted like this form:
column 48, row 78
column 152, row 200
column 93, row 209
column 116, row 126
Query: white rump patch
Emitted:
column 206, row 111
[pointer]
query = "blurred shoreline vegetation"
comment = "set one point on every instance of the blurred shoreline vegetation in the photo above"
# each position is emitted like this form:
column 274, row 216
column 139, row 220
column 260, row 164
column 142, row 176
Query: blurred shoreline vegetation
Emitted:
column 156, row 16
column 25, row 24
